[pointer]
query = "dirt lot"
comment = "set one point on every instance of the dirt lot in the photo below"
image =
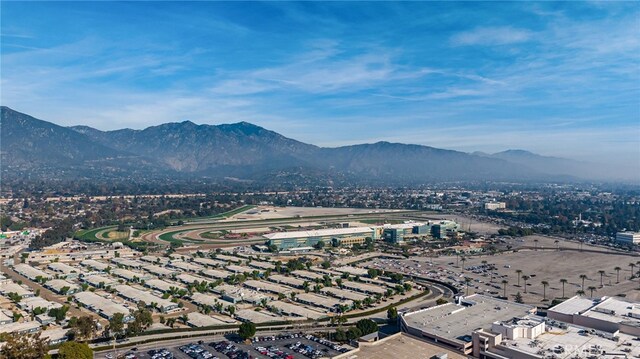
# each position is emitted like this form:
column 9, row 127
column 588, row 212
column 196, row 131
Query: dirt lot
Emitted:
column 547, row 263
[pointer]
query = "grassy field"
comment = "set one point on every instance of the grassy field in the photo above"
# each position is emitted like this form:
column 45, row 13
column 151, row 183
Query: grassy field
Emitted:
column 90, row 235
column 211, row 235
column 115, row 235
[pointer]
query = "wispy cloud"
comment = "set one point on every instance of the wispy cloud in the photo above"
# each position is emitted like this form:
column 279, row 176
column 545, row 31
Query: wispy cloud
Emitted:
column 491, row 36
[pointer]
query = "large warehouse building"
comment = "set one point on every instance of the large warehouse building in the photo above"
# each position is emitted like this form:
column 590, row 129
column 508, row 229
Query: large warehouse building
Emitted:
column 298, row 239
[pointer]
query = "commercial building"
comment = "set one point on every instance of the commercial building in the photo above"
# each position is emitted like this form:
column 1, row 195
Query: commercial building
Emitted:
column 31, row 272
column 208, row 262
column 203, row 299
column 290, row 281
column 31, row 303
column 297, row 239
column 103, row 306
column 157, row 270
column 236, row 294
column 20, row 327
column 94, row 264
column 248, row 315
column 130, row 276
column 197, row 320
column 99, row 281
column 67, row 270
column 444, row 229
column 8, row 286
column 263, row 286
column 628, row 237
column 296, row 310
column 136, row 295
column 533, row 337
column 184, row 266
column 451, row 325
column 494, row 206
column 609, row 314
column 321, row 301
column 61, row 286
column 162, row 285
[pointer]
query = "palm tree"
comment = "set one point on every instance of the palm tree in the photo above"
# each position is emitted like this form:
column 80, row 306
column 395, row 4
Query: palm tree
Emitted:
column 544, row 289
column 504, row 288
column 467, row 280
column 563, row 281
column 519, row 272
column 463, row 259
column 525, row 278
column 557, row 242
column 601, row 272
column 535, row 244
column 632, row 265
column 617, row 269
column 592, row 289
column 583, row 277
column 580, row 292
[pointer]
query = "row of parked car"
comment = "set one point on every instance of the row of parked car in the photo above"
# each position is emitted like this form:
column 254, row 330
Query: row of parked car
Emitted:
column 160, row 354
column 273, row 352
column 196, row 351
column 230, row 350
column 327, row 343
column 276, row 337
column 305, row 350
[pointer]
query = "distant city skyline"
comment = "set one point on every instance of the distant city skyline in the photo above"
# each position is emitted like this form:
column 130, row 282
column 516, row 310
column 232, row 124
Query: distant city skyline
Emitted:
column 558, row 79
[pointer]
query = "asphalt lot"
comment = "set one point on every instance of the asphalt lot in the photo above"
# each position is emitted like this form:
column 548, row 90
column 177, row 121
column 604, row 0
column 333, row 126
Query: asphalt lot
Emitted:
column 281, row 346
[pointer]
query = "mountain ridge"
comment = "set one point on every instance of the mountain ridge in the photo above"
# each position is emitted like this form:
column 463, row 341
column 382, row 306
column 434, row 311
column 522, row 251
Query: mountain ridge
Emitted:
column 247, row 151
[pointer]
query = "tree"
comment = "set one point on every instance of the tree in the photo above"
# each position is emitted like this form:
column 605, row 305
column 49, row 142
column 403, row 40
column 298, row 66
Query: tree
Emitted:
column 354, row 333
column 247, row 330
column 467, row 280
column 563, row 281
column 116, row 324
column 518, row 298
column 85, row 327
column 392, row 314
column 141, row 321
column 319, row 245
column 75, row 350
column 592, row 289
column 632, row 265
column 24, row 346
column 367, row 326
column 519, row 273
column 583, row 277
column 59, row 313
column 617, row 269
column 601, row 272
column 340, row 335
column 525, row 278
column 544, row 289
column 504, row 287
column 372, row 272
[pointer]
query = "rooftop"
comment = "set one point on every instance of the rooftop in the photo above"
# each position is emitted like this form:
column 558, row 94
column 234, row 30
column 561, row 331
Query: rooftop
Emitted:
column 319, row 233
column 457, row 322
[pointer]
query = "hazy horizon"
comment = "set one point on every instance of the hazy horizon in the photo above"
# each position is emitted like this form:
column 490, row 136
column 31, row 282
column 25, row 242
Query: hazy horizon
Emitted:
column 556, row 79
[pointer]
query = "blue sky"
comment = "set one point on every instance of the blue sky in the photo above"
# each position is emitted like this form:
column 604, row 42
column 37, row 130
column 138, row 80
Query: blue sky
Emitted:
column 558, row 79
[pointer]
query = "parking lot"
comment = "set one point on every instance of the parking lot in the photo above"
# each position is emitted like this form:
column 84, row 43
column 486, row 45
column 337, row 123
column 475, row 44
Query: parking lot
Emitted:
column 288, row 346
column 546, row 264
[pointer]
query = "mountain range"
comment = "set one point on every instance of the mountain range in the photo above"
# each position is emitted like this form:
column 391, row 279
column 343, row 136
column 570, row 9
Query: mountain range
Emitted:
column 246, row 152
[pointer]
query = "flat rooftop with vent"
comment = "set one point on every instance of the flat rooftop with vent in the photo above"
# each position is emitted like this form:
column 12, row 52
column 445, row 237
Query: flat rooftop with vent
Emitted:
column 607, row 313
column 535, row 337
column 452, row 324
